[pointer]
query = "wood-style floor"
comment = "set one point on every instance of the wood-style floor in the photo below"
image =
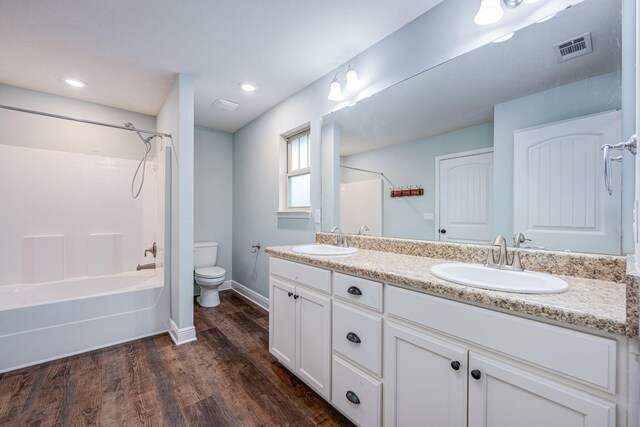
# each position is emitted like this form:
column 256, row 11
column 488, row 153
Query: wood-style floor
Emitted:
column 226, row 378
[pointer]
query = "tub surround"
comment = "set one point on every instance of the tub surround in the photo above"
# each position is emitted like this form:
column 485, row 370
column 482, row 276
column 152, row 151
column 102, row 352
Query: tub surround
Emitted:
column 597, row 304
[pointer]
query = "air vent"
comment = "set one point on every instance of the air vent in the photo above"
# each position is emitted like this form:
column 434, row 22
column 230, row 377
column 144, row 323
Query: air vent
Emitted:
column 573, row 48
column 224, row 104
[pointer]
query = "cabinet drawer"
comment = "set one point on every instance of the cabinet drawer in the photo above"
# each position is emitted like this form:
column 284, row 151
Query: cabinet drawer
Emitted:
column 313, row 277
column 348, row 287
column 351, row 325
column 356, row 394
column 580, row 356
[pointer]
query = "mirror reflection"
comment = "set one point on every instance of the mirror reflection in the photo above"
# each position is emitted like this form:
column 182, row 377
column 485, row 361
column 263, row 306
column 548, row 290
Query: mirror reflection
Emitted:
column 514, row 147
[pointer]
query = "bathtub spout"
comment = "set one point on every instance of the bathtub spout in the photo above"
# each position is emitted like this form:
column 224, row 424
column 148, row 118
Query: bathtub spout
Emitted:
column 149, row 266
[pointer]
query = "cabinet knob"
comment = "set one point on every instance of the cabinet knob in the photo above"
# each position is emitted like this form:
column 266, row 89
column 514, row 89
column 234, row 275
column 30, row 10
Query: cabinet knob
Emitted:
column 354, row 290
column 476, row 374
column 353, row 398
column 354, row 338
column 290, row 293
column 455, row 365
column 442, row 231
column 296, row 296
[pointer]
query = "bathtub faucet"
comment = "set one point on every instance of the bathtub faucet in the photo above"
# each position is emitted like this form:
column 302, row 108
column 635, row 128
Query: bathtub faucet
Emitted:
column 149, row 266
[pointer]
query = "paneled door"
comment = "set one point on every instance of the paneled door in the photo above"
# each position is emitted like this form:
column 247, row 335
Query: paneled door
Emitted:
column 560, row 200
column 425, row 380
column 504, row 396
column 465, row 197
column 282, row 322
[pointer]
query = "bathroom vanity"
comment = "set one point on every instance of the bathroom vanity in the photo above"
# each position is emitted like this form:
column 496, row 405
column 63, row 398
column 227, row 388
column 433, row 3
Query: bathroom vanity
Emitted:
column 387, row 343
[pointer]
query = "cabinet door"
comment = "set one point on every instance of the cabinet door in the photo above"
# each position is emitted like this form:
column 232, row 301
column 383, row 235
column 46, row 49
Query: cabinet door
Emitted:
column 504, row 396
column 282, row 322
column 313, row 340
column 422, row 385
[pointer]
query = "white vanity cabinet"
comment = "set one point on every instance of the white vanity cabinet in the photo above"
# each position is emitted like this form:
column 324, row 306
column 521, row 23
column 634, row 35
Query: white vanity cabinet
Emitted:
column 300, row 322
column 398, row 357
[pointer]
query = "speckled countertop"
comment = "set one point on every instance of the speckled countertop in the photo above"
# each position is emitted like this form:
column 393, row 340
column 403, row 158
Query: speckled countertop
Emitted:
column 589, row 303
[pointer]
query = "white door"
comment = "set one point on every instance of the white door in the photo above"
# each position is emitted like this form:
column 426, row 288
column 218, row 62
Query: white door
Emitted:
column 282, row 322
column 465, row 197
column 425, row 380
column 560, row 200
column 313, row 340
column 504, row 396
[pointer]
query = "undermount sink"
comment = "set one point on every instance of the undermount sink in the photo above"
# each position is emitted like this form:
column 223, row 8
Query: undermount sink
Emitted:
column 327, row 250
column 479, row 276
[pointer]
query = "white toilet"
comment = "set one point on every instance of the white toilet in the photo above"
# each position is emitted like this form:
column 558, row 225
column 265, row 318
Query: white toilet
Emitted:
column 208, row 276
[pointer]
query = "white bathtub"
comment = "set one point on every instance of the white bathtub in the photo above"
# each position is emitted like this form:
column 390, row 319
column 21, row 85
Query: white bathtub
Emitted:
column 46, row 321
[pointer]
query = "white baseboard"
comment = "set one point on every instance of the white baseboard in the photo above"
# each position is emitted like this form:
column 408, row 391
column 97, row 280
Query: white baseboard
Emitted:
column 181, row 336
column 251, row 295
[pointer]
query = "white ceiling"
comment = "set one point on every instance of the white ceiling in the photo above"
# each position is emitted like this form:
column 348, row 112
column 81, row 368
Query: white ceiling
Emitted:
column 128, row 51
column 463, row 91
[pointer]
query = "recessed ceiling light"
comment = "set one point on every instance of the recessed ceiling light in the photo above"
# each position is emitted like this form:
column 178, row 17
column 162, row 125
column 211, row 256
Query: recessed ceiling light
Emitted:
column 247, row 87
column 503, row 38
column 75, row 83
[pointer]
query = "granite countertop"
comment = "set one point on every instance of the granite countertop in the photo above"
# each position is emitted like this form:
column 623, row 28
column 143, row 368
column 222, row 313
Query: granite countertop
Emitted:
column 594, row 304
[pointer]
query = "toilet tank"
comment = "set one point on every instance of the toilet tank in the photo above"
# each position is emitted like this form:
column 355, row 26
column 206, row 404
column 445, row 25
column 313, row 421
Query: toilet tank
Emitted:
column 205, row 254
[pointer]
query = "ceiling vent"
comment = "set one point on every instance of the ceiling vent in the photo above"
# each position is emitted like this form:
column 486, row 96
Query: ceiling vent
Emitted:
column 224, row 104
column 573, row 48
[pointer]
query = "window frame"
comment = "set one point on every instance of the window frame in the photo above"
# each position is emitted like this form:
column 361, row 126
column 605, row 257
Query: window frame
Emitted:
column 298, row 172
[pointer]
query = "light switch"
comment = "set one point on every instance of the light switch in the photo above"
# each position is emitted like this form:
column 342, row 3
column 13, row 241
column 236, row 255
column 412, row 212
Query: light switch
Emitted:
column 428, row 216
column 318, row 216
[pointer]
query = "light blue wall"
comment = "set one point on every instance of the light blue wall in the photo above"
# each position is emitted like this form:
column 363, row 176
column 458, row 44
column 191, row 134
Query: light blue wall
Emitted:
column 412, row 164
column 589, row 96
column 213, row 175
column 429, row 40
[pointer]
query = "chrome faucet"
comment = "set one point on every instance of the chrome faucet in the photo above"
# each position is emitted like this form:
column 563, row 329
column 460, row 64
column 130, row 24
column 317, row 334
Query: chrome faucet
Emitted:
column 363, row 231
column 503, row 260
column 149, row 266
column 501, row 242
column 341, row 239
column 153, row 250
column 517, row 240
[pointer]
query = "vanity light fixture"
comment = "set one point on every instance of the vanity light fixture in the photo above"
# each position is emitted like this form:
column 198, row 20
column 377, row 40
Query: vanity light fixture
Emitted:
column 504, row 38
column 352, row 84
column 75, row 83
column 491, row 10
column 547, row 18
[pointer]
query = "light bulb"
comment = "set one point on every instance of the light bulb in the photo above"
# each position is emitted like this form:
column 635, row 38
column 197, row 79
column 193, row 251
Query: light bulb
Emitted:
column 490, row 12
column 335, row 94
column 547, row 18
column 352, row 80
column 503, row 38
column 247, row 87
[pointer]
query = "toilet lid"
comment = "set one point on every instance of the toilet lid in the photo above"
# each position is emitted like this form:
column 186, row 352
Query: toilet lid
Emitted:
column 210, row 272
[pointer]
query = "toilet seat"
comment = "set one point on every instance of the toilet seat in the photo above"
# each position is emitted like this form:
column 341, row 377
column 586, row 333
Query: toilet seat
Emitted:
column 210, row 272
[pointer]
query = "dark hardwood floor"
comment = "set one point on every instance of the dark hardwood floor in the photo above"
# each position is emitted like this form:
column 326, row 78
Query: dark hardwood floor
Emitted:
column 226, row 378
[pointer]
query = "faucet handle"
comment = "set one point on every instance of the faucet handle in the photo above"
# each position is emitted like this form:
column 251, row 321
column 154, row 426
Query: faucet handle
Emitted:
column 153, row 250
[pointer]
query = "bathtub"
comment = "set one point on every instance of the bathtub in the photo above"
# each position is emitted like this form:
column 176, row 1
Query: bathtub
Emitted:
column 46, row 321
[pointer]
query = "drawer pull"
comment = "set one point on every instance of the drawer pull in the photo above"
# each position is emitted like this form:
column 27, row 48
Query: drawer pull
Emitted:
column 476, row 374
column 354, row 338
column 353, row 398
column 455, row 365
column 353, row 290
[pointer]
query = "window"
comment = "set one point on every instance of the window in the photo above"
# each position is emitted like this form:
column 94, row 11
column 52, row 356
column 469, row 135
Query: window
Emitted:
column 298, row 176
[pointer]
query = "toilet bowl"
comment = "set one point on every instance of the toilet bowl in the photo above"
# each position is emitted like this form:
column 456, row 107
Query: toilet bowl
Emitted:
column 207, row 275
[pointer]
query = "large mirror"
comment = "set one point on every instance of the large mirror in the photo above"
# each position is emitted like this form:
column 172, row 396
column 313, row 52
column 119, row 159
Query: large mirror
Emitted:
column 504, row 139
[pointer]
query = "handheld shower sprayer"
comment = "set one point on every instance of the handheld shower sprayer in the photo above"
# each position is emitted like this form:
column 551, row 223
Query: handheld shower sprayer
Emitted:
column 143, row 161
